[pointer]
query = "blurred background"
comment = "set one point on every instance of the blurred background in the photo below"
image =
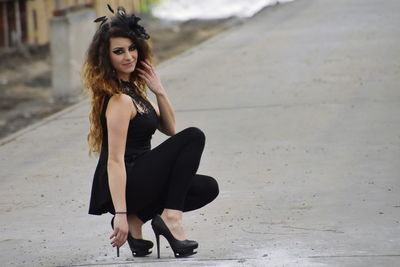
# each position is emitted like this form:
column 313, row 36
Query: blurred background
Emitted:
column 42, row 45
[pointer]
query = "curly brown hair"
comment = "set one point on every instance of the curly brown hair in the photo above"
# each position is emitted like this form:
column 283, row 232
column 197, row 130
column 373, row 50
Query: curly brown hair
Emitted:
column 98, row 76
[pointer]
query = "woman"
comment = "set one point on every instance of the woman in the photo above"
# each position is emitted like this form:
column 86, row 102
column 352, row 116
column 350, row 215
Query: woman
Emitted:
column 131, row 180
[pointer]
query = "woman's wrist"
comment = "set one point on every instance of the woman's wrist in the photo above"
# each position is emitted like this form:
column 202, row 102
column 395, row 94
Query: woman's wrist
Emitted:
column 120, row 212
column 159, row 90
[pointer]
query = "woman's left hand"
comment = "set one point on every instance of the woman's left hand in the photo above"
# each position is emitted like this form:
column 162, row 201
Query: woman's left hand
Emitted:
column 149, row 75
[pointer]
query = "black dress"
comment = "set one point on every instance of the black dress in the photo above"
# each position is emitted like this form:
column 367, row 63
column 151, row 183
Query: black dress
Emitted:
column 163, row 177
column 140, row 131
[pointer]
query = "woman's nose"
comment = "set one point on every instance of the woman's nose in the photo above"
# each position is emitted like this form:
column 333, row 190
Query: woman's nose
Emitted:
column 127, row 55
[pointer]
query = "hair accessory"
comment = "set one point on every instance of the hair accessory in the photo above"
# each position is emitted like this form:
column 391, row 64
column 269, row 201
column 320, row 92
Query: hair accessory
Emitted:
column 102, row 19
column 130, row 22
column 109, row 8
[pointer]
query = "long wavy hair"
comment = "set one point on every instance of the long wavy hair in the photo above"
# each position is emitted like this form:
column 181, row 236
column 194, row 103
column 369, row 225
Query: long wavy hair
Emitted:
column 98, row 75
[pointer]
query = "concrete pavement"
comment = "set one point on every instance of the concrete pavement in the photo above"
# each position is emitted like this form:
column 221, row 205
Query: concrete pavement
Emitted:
column 301, row 109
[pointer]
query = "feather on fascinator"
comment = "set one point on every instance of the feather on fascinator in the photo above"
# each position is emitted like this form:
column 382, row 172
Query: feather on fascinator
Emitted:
column 130, row 22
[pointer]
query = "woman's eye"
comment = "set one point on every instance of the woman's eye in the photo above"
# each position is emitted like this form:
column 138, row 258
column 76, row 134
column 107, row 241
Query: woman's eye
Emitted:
column 118, row 52
column 132, row 48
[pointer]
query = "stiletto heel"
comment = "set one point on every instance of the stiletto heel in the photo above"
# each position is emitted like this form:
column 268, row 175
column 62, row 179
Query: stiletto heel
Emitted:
column 139, row 247
column 158, row 245
column 181, row 248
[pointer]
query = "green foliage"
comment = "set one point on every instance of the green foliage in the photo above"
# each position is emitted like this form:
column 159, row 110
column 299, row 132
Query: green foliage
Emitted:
column 146, row 5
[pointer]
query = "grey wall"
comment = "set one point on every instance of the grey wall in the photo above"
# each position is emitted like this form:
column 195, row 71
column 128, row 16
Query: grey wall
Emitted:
column 69, row 40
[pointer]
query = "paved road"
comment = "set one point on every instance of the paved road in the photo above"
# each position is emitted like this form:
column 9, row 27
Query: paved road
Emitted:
column 301, row 109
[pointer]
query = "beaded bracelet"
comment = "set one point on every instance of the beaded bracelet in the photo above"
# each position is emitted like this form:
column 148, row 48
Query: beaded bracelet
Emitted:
column 120, row 212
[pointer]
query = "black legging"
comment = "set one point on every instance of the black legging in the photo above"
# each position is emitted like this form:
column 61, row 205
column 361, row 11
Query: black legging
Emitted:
column 165, row 177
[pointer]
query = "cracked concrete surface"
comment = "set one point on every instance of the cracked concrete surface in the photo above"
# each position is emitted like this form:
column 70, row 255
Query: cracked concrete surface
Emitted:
column 300, row 107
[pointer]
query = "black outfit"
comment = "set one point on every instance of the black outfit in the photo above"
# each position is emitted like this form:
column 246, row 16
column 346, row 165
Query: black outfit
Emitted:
column 163, row 177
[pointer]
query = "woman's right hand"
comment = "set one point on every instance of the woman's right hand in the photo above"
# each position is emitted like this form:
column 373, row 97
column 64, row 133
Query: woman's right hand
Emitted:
column 121, row 230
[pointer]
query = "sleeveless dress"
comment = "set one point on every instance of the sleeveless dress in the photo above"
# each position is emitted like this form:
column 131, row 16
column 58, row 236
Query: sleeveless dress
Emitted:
column 140, row 131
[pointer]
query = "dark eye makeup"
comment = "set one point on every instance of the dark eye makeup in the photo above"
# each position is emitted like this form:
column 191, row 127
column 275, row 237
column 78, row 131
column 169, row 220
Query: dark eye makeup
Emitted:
column 132, row 47
column 120, row 51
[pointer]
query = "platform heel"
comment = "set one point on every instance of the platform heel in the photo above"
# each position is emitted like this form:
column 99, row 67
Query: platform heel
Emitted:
column 139, row 247
column 181, row 248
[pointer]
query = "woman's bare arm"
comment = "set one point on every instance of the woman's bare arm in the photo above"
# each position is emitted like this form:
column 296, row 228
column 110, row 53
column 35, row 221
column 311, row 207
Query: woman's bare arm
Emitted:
column 119, row 112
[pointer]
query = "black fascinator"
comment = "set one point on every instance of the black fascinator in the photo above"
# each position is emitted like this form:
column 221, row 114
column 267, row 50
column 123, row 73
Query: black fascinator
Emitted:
column 125, row 21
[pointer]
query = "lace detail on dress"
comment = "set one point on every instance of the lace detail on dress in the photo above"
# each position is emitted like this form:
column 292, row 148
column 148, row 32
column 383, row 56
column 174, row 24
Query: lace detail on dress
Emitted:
column 137, row 100
column 140, row 106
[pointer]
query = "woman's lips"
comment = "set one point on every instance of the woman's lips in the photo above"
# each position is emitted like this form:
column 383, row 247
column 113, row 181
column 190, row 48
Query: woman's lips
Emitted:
column 128, row 64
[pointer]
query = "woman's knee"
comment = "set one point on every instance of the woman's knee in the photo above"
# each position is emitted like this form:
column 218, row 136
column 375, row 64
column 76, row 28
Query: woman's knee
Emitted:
column 204, row 190
column 213, row 188
column 194, row 133
column 207, row 186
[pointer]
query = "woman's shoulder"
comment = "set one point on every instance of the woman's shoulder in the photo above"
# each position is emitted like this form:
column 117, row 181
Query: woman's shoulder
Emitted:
column 121, row 103
column 120, row 98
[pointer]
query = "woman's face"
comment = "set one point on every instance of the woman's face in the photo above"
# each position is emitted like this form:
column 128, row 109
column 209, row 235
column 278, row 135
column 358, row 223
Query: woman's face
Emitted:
column 123, row 56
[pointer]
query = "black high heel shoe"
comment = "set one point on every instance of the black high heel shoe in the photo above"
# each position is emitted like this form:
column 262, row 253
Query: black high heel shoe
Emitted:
column 180, row 248
column 139, row 247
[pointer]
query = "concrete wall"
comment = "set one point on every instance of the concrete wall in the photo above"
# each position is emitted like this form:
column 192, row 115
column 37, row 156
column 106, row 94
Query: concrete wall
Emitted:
column 69, row 40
